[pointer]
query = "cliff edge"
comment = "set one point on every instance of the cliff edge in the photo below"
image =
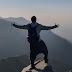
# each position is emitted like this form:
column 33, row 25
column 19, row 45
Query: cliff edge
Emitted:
column 40, row 67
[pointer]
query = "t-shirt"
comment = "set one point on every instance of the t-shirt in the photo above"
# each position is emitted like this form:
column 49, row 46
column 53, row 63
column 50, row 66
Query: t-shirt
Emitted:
column 38, row 28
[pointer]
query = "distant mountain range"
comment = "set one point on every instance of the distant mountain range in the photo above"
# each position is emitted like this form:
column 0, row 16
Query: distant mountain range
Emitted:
column 13, row 41
column 16, row 64
column 19, row 20
column 0, row 17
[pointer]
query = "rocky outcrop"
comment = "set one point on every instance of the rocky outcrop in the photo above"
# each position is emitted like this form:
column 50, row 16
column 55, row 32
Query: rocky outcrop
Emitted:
column 40, row 67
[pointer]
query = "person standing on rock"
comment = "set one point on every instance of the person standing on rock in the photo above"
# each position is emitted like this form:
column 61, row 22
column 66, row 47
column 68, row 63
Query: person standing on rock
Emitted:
column 36, row 43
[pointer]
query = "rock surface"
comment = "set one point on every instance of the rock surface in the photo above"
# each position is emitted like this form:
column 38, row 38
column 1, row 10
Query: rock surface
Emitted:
column 40, row 67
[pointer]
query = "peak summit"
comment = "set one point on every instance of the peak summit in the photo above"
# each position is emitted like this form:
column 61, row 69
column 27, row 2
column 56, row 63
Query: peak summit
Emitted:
column 40, row 67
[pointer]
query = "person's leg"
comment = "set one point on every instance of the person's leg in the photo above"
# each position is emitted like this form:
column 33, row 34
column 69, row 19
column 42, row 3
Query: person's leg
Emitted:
column 32, row 58
column 46, row 57
column 44, row 50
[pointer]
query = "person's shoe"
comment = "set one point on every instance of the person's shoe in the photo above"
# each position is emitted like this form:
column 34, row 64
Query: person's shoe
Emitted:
column 32, row 68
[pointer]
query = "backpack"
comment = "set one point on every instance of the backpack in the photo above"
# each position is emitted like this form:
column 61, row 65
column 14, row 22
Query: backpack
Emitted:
column 32, row 34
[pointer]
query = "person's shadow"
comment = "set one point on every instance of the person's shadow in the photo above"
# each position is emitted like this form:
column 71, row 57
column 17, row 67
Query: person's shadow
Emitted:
column 46, row 69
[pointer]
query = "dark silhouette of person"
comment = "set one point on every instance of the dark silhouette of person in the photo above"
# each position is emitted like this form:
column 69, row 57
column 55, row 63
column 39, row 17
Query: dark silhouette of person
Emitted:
column 40, row 46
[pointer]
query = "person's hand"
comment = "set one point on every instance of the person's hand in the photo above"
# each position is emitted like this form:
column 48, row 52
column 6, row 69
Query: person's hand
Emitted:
column 56, row 25
column 12, row 24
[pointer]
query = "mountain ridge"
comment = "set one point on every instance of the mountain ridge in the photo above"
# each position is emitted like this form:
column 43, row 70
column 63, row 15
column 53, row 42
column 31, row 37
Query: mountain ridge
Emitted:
column 19, row 20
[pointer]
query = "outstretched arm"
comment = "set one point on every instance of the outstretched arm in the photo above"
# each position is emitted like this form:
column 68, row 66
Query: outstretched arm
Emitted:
column 20, row 27
column 49, row 27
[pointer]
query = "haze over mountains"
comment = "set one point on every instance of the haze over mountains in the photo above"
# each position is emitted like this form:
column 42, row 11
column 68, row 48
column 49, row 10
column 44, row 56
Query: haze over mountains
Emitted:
column 13, row 41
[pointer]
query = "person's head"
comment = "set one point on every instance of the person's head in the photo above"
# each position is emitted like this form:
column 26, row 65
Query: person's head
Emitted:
column 33, row 19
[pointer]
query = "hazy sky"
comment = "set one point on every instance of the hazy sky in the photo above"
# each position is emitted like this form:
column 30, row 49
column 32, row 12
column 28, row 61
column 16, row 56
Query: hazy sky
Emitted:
column 47, row 11
column 43, row 9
